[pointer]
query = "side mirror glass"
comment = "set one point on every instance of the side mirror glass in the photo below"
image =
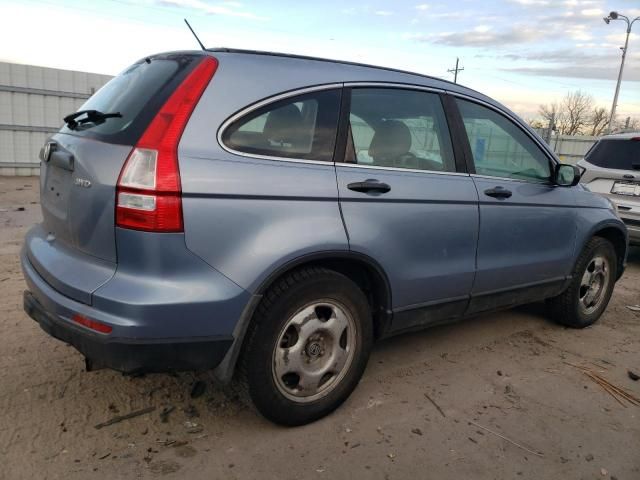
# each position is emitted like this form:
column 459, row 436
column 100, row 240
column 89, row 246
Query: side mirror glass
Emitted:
column 567, row 175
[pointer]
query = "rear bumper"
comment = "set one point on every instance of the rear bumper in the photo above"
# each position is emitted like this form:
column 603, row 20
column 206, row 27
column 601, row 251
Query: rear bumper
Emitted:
column 131, row 355
column 165, row 308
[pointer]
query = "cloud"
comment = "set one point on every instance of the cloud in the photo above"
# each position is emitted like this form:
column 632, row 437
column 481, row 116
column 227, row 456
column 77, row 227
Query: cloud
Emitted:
column 383, row 13
column 592, row 12
column 481, row 36
column 572, row 56
column 579, row 33
column 482, row 28
column 532, row 3
column 619, row 38
column 581, row 3
column 578, row 71
column 423, row 7
column 231, row 9
column 449, row 15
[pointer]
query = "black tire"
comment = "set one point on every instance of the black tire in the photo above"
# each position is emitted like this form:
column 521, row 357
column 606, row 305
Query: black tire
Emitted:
column 280, row 303
column 565, row 308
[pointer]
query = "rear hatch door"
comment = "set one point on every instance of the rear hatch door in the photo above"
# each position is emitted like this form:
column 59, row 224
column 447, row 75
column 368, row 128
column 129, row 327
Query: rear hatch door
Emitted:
column 80, row 167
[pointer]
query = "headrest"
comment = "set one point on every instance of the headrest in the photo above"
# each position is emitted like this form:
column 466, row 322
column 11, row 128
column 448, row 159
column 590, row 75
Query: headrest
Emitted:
column 283, row 124
column 391, row 140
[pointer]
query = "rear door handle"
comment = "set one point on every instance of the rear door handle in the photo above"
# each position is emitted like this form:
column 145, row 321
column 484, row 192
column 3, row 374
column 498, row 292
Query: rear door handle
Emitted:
column 369, row 185
column 498, row 192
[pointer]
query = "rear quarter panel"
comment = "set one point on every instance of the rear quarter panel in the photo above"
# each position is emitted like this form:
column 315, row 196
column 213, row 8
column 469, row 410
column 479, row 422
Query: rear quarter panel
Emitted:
column 248, row 216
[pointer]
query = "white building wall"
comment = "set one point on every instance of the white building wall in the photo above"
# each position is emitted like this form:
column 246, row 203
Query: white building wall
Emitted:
column 33, row 101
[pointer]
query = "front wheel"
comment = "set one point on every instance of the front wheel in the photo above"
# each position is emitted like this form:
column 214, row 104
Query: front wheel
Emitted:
column 591, row 287
column 307, row 347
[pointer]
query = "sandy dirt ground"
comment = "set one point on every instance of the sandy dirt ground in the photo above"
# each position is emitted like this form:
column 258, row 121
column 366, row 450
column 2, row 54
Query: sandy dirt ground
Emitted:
column 503, row 372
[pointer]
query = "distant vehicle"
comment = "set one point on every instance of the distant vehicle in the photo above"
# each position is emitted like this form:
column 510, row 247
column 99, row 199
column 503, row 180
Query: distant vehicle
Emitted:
column 612, row 168
column 270, row 216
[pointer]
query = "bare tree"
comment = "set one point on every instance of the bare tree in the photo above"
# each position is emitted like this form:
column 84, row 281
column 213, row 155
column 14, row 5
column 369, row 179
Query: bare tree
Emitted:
column 536, row 123
column 599, row 121
column 552, row 116
column 576, row 114
column 578, row 106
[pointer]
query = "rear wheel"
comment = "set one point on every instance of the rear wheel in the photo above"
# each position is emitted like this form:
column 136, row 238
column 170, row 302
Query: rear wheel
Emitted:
column 307, row 347
column 590, row 290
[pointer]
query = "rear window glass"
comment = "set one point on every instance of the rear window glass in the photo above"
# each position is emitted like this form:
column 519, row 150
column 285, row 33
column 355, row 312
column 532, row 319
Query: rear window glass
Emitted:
column 616, row 154
column 301, row 127
column 137, row 94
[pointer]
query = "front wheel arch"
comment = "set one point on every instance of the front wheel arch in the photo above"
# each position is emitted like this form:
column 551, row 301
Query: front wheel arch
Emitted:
column 618, row 239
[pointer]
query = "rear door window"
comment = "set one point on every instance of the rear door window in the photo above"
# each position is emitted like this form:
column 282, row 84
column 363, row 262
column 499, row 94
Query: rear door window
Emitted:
column 399, row 128
column 500, row 148
column 137, row 94
column 302, row 127
column 616, row 154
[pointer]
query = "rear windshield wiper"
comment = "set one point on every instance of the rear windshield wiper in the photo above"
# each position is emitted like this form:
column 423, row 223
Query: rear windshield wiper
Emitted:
column 94, row 116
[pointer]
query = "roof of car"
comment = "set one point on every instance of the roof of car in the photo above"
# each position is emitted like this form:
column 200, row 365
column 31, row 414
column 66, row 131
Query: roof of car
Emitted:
column 342, row 62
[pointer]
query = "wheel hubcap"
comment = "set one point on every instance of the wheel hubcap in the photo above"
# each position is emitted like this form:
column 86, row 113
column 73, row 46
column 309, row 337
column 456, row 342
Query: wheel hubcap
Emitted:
column 314, row 351
column 594, row 284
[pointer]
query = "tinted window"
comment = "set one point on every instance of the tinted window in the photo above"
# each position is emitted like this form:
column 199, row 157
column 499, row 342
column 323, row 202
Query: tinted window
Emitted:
column 618, row 154
column 299, row 127
column 137, row 93
column 500, row 148
column 400, row 129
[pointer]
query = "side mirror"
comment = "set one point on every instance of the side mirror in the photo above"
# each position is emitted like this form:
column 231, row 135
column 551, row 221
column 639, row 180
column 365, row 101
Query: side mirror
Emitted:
column 566, row 175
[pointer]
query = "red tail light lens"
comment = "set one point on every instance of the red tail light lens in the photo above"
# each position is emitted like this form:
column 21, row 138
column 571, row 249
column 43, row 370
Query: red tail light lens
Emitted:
column 91, row 324
column 149, row 193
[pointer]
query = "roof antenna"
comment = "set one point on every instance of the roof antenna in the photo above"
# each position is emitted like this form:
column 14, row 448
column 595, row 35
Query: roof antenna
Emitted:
column 194, row 34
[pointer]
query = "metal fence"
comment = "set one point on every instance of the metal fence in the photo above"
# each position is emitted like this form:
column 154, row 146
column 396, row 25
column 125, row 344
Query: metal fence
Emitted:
column 570, row 149
column 33, row 101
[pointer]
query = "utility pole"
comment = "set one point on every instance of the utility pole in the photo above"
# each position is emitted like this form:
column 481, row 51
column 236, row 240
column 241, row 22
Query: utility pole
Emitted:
column 618, row 16
column 552, row 126
column 455, row 71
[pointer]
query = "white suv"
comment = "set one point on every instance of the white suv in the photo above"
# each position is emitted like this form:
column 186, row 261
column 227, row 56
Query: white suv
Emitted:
column 612, row 168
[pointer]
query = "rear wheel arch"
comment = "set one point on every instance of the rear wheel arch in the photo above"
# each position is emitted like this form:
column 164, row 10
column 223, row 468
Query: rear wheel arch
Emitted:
column 364, row 271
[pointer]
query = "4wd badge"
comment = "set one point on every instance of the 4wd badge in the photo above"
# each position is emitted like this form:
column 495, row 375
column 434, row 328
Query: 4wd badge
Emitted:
column 82, row 182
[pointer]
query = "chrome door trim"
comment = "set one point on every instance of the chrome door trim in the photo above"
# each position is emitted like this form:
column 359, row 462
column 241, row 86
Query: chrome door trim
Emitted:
column 405, row 86
column 398, row 169
column 521, row 180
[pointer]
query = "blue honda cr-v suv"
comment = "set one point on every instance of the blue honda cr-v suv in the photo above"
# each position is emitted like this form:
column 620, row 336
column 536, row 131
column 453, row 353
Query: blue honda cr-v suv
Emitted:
column 271, row 216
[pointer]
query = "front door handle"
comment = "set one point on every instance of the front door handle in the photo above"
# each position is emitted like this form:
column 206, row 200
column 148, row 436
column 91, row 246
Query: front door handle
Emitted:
column 369, row 185
column 498, row 192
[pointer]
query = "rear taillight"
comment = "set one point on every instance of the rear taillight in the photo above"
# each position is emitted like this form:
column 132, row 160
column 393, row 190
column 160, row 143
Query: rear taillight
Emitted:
column 149, row 193
column 91, row 324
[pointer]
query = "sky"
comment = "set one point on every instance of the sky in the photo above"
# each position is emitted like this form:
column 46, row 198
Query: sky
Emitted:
column 522, row 52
